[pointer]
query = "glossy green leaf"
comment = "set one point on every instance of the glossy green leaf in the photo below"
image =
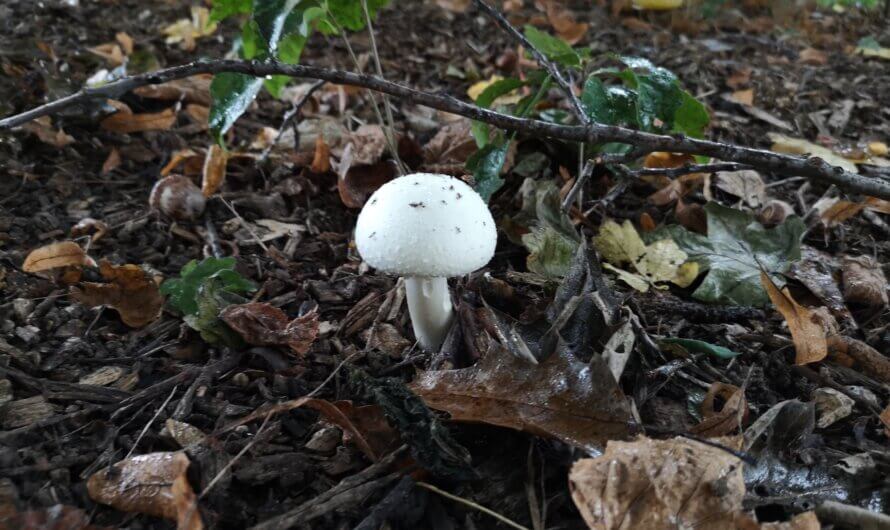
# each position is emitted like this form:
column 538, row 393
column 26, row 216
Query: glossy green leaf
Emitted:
column 735, row 250
column 182, row 292
column 231, row 94
column 692, row 117
column 552, row 47
column 700, row 346
column 252, row 43
column 223, row 9
column 486, row 165
column 659, row 96
column 349, row 13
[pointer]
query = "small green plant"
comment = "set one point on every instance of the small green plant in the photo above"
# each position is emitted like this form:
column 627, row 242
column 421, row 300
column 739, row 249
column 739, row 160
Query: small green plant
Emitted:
column 274, row 31
column 202, row 290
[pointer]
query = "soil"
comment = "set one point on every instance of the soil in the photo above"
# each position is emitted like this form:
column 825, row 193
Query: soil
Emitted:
column 50, row 343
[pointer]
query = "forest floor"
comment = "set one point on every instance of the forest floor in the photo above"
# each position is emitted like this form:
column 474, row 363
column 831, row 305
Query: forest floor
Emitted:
column 80, row 390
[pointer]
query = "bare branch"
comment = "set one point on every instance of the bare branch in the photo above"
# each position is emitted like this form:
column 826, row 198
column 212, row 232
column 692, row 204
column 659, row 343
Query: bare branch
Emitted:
column 814, row 168
column 548, row 65
column 674, row 172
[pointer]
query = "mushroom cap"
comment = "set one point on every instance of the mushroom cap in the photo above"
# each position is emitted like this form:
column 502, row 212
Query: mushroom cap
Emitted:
column 426, row 225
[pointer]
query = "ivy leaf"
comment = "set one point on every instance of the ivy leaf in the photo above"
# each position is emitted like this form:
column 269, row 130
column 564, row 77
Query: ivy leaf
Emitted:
column 486, row 165
column 182, row 292
column 692, row 117
column 223, row 9
column 552, row 47
column 232, row 93
column 349, row 13
column 734, row 252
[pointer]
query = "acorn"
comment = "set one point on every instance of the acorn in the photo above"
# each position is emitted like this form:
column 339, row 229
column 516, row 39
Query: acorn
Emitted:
column 177, row 197
column 774, row 212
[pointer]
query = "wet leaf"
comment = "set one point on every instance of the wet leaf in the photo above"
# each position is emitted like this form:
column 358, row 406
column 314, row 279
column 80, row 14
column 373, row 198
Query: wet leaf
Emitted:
column 486, row 165
column 660, row 261
column 231, row 93
column 55, row 255
column 130, row 291
column 560, row 397
column 664, row 485
column 552, row 47
column 153, row 484
column 808, row 334
column 735, row 250
column 262, row 324
column 214, row 172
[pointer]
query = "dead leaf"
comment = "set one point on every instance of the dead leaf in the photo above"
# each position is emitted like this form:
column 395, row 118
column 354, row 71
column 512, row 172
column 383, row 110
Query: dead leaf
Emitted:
column 808, row 334
column 358, row 183
column 332, row 413
column 371, row 423
column 729, row 418
column 831, row 406
column 647, row 224
column 55, row 255
column 774, row 212
column 560, row 397
column 87, row 226
column 692, row 216
column 261, row 324
column 112, row 162
column 125, row 40
column 878, row 148
column 796, row 146
column 885, row 419
column 813, row 57
column 452, row 144
column 854, row 352
column 833, row 211
column 131, row 291
column 153, row 484
column 214, row 170
column 864, row 282
column 195, row 89
column 368, row 144
column 42, row 128
column 677, row 189
column 455, row 6
column 192, row 163
column 57, row 517
column 746, row 184
column 111, row 52
column 739, row 78
column 665, row 485
column 667, row 160
column 125, row 122
column 186, row 31
column 321, row 160
column 743, row 97
column 564, row 23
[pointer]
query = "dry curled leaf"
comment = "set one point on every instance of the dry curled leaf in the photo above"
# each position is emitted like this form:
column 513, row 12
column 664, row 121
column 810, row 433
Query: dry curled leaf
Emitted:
column 833, row 211
column 665, row 485
column 195, row 89
column 560, row 397
column 746, row 184
column 185, row 161
column 807, row 331
column 154, row 484
column 214, row 170
column 729, row 418
column 55, row 255
column 125, row 122
column 130, row 291
column 89, row 226
column 43, row 129
column 262, row 324
column 864, row 282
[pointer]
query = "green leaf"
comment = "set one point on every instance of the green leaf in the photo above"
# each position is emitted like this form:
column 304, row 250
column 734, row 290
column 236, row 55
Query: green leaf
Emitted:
column 223, row 9
column 692, row 117
column 211, row 298
column 182, row 292
column 596, row 101
column 700, row 346
column 550, row 252
column 349, row 13
column 735, row 250
column 659, row 96
column 552, row 47
column 485, row 99
column 291, row 48
column 869, row 42
column 231, row 94
column 432, row 445
column 486, row 165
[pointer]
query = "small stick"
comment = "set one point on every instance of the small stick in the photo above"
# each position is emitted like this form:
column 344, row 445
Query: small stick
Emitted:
column 292, row 114
column 483, row 509
column 548, row 65
column 152, row 420
column 674, row 172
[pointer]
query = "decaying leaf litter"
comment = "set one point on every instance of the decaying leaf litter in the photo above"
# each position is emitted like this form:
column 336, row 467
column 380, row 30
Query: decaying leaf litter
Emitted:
column 302, row 393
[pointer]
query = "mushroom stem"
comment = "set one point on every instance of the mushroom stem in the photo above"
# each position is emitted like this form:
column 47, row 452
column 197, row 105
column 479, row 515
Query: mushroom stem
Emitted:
column 430, row 307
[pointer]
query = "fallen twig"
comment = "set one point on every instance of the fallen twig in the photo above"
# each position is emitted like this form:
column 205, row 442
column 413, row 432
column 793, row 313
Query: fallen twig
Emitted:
column 813, row 168
column 483, row 509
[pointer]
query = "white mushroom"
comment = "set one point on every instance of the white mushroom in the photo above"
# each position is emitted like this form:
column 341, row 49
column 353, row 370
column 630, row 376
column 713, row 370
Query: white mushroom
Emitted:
column 426, row 228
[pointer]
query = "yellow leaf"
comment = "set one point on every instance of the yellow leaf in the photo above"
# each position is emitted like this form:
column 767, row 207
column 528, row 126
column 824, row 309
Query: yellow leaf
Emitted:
column 185, row 31
column 507, row 99
column 880, row 53
column 807, row 332
column 660, row 261
column 657, row 5
column 797, row 146
column 634, row 280
column 686, row 274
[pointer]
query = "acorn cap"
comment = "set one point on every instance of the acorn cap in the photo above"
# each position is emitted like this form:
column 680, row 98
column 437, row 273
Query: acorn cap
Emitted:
column 426, row 225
